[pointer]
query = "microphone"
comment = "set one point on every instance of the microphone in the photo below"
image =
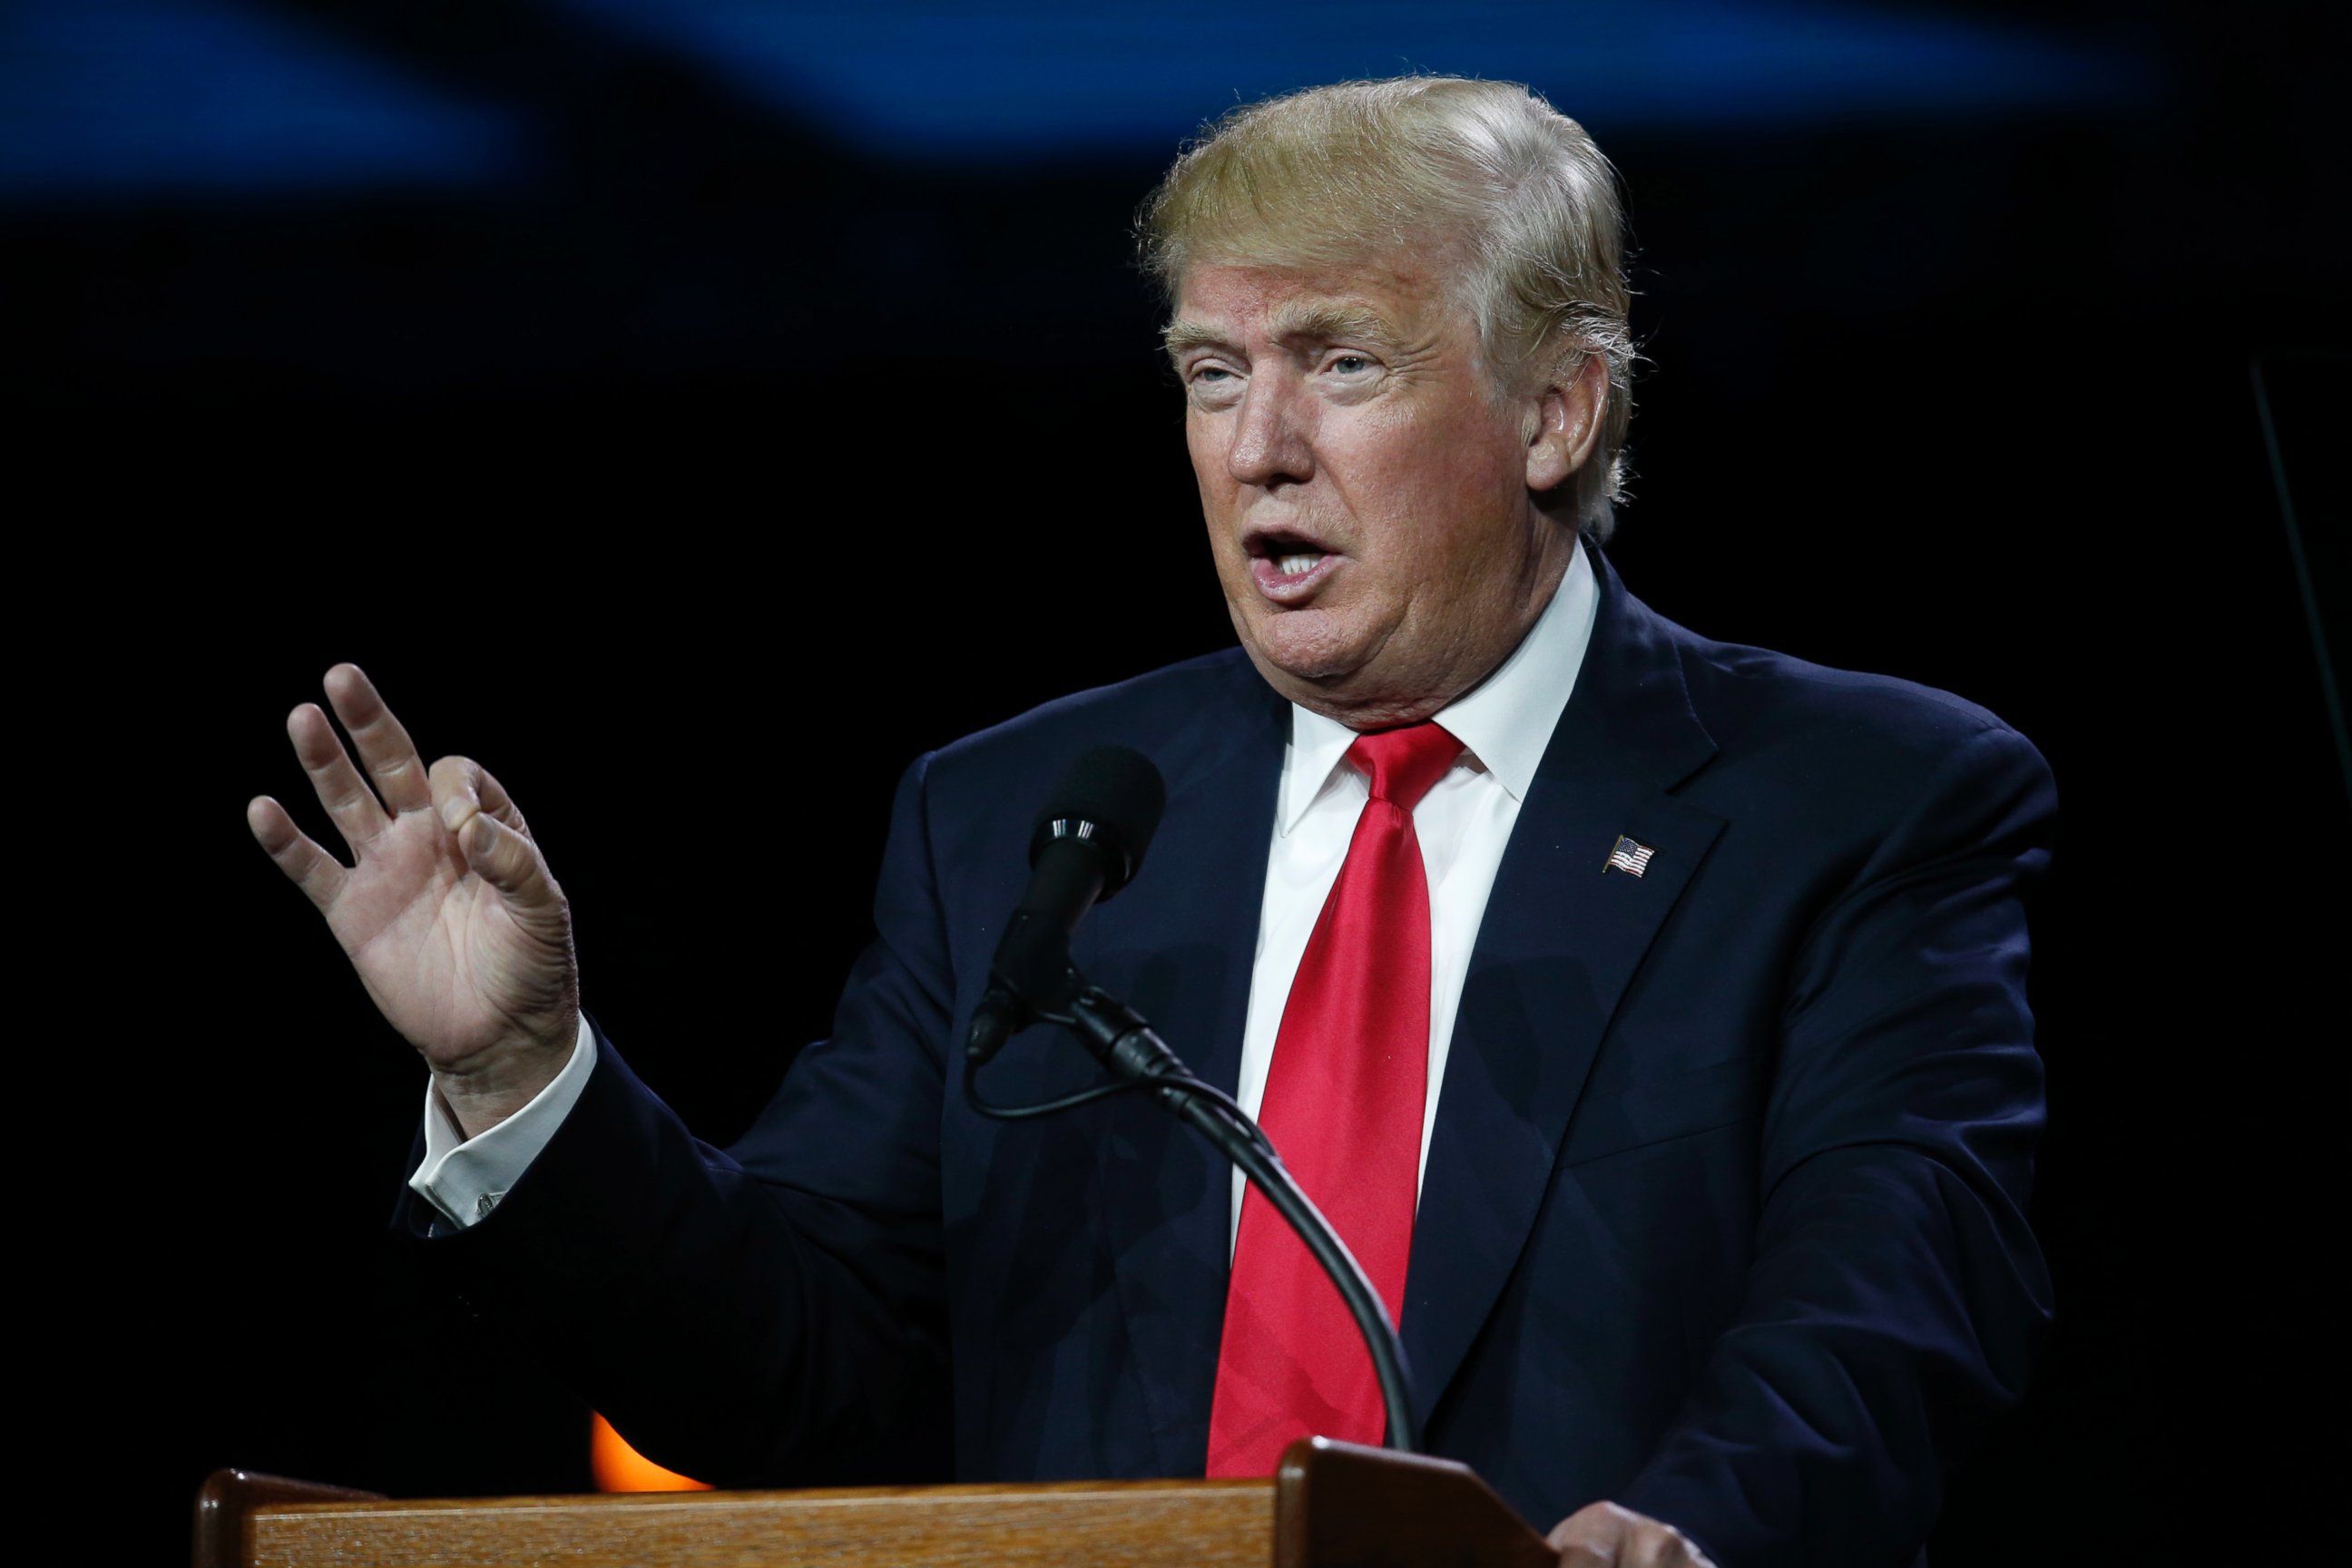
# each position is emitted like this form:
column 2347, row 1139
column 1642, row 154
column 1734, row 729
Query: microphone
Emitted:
column 1087, row 844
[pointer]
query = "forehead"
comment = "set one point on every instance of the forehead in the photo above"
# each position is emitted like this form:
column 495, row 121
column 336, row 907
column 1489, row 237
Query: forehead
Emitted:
column 1385, row 297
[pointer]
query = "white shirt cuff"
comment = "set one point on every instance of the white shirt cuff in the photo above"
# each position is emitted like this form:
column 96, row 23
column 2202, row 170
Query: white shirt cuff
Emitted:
column 463, row 1177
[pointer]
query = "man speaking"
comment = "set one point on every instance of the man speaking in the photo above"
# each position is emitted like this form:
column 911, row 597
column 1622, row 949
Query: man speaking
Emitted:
column 1647, row 1013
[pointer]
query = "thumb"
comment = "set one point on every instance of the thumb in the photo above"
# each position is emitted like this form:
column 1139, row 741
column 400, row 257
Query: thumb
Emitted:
column 511, row 863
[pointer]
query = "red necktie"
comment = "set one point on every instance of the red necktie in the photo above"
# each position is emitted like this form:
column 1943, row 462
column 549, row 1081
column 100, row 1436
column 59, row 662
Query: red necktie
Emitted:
column 1343, row 1105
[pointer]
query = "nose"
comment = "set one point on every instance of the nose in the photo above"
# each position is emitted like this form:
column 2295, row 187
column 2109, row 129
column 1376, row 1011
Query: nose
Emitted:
column 1271, row 444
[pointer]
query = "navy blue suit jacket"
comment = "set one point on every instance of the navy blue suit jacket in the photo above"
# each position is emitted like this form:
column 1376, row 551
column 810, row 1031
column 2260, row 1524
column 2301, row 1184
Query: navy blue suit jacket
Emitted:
column 1723, row 1211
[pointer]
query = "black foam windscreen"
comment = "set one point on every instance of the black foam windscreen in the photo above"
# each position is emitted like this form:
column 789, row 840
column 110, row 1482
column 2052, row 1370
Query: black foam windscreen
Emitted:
column 1117, row 791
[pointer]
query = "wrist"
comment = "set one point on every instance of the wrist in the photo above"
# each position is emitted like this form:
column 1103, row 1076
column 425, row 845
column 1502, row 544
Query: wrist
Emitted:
column 495, row 1084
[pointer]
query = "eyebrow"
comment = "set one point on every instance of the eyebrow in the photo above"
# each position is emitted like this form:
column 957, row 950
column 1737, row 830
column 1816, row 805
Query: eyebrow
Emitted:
column 1316, row 323
column 1181, row 335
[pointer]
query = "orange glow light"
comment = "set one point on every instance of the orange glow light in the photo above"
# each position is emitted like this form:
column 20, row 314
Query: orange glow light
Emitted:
column 621, row 1469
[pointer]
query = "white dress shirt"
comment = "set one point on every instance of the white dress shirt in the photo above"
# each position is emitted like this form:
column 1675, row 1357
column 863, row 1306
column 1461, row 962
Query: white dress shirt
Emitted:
column 464, row 1177
column 1462, row 824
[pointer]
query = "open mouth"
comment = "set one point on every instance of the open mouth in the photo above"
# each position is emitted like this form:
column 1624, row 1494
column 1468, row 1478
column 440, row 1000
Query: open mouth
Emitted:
column 1285, row 564
column 1291, row 554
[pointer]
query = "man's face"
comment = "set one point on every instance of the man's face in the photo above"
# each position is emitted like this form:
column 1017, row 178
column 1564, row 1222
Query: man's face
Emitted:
column 1367, row 491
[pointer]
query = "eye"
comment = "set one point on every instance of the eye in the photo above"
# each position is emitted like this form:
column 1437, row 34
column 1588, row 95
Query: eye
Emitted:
column 1213, row 384
column 1350, row 365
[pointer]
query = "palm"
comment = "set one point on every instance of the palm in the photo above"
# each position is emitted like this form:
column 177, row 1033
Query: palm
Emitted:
column 449, row 914
column 438, row 948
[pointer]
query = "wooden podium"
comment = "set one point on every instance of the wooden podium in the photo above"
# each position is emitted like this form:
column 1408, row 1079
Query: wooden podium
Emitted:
column 1330, row 1504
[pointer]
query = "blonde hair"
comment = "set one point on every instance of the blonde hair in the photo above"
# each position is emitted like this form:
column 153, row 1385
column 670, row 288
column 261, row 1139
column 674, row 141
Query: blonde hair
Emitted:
column 1488, row 171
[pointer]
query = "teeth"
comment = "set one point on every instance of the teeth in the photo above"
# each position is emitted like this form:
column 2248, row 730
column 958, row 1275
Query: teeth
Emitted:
column 1296, row 565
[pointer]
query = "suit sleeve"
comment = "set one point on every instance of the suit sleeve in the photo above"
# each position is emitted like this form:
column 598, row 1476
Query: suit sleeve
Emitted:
column 1896, row 1295
column 773, row 1314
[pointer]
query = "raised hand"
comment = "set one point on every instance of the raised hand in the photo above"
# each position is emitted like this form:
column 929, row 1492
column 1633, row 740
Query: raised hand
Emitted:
column 449, row 914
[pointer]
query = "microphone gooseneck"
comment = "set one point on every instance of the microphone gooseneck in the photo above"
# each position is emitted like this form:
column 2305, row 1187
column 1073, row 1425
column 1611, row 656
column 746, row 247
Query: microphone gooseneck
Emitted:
column 1086, row 846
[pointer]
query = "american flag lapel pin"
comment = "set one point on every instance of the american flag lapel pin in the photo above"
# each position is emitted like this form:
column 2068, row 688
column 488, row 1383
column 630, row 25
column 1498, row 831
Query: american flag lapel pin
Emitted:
column 1629, row 855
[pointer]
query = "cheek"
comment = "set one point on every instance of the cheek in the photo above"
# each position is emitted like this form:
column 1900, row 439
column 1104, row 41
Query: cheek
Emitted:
column 1204, row 443
column 1481, row 452
column 1464, row 501
column 1439, row 477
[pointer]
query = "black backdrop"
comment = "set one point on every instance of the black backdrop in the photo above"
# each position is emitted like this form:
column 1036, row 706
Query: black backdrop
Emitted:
column 700, row 490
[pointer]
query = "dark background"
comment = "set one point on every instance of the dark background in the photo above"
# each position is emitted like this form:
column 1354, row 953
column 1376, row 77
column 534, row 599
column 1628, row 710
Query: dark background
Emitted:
column 695, row 416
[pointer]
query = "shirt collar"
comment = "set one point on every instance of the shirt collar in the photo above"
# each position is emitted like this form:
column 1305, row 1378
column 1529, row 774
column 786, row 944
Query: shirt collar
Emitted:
column 1504, row 722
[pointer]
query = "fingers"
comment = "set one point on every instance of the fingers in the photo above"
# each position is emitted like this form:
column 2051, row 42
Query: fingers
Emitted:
column 462, row 787
column 511, row 863
column 384, row 746
column 1587, row 1538
column 1603, row 1535
column 311, row 868
column 1661, row 1546
column 357, row 813
column 497, row 803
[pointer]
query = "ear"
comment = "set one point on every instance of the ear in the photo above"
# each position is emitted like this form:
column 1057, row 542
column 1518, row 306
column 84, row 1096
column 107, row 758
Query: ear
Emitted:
column 1566, row 426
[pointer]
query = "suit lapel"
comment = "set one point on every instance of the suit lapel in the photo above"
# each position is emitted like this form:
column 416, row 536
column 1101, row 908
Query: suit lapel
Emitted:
column 1180, row 946
column 1560, row 941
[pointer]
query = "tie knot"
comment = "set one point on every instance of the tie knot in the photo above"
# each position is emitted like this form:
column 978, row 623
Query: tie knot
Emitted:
column 1405, row 763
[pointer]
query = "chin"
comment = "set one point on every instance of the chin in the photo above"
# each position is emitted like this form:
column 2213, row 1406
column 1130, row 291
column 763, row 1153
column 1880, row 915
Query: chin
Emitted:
column 1305, row 645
